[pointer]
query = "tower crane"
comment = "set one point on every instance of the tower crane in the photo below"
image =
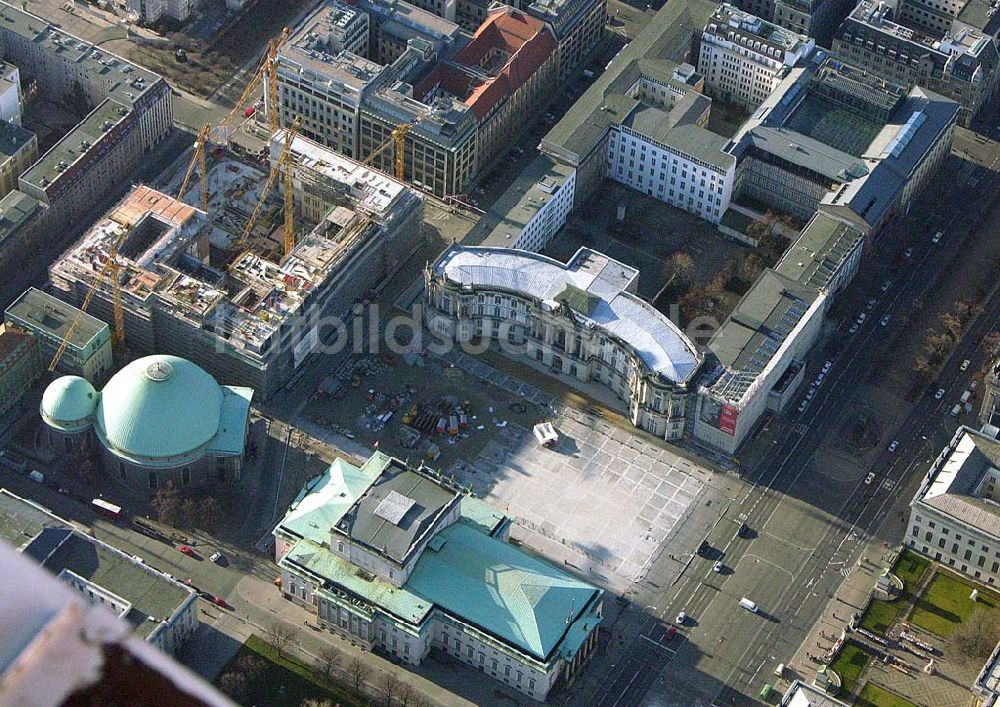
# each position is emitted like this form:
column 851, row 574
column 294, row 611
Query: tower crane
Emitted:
column 118, row 334
column 271, row 176
column 397, row 138
column 198, row 158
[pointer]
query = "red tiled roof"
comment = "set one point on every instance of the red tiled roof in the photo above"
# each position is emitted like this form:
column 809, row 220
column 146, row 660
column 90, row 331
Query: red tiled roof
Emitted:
column 511, row 31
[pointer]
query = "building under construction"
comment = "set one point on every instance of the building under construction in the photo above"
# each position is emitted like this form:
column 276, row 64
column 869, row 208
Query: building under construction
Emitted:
column 249, row 318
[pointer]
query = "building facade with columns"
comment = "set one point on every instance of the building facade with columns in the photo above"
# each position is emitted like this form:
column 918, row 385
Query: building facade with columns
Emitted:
column 397, row 558
column 581, row 319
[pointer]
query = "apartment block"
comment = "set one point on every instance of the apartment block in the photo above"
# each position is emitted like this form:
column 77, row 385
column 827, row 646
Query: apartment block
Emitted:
column 962, row 64
column 502, row 74
column 20, row 366
column 577, row 25
column 18, row 151
column 129, row 113
column 321, row 84
column 743, row 58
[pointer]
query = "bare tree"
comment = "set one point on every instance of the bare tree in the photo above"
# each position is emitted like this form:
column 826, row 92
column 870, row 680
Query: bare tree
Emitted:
column 407, row 695
column 279, row 634
column 976, row 637
column 357, row 671
column 251, row 666
column 326, row 662
column 389, row 685
column 233, row 684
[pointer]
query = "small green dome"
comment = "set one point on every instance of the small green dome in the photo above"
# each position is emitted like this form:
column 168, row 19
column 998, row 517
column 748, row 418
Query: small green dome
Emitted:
column 159, row 407
column 69, row 402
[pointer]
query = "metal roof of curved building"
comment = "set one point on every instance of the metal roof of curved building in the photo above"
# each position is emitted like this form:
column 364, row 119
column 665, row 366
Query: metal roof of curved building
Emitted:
column 597, row 288
column 68, row 402
column 159, row 407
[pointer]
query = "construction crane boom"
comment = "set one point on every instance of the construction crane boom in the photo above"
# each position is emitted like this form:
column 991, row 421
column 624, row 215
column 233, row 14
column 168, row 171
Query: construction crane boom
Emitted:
column 271, row 176
column 118, row 335
column 397, row 139
column 289, row 204
column 198, row 158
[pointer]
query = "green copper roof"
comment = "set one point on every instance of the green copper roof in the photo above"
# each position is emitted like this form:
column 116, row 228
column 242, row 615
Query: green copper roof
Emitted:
column 500, row 589
column 234, row 417
column 159, row 407
column 324, row 500
column 398, row 601
column 68, row 402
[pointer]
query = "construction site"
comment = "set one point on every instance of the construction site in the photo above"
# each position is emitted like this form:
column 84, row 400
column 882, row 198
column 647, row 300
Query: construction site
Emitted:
column 223, row 286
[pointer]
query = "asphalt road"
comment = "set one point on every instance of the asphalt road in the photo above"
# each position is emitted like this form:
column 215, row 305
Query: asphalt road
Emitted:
column 807, row 528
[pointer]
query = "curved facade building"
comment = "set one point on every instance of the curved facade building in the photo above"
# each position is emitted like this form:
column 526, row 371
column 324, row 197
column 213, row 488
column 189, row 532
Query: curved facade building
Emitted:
column 160, row 419
column 581, row 319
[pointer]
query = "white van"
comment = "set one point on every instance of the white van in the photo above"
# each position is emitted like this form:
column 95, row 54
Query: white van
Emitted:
column 748, row 605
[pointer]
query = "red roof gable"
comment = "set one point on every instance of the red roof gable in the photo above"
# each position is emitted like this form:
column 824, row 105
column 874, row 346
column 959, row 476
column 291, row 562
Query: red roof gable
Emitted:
column 511, row 31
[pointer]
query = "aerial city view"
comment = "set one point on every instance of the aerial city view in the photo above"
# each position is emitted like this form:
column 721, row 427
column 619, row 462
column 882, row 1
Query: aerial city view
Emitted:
column 425, row 353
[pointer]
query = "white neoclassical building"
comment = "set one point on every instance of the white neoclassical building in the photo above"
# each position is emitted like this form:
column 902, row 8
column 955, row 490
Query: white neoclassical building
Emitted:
column 581, row 319
column 955, row 514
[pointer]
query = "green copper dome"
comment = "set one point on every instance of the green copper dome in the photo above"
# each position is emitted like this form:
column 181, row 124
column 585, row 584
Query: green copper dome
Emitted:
column 159, row 407
column 68, row 403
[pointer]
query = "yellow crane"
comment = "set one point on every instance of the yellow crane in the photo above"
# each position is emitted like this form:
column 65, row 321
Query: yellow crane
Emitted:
column 271, row 176
column 118, row 334
column 289, row 201
column 198, row 158
column 397, row 138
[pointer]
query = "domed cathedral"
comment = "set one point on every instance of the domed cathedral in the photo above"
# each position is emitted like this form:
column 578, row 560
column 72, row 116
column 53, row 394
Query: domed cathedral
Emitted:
column 159, row 420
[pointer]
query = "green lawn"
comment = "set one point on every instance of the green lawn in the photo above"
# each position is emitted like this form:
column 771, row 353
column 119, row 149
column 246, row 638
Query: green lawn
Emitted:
column 851, row 660
column 945, row 604
column 874, row 696
column 910, row 568
column 881, row 615
column 286, row 681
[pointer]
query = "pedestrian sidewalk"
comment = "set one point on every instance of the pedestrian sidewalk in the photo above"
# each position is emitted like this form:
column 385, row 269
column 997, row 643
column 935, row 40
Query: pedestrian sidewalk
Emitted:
column 849, row 599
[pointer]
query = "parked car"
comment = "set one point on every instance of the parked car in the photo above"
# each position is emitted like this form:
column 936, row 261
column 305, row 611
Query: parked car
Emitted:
column 717, row 567
column 937, row 237
column 871, row 303
column 893, row 445
column 939, row 394
column 886, row 285
column 869, row 478
column 965, row 365
column 853, row 329
column 681, row 618
column 187, row 550
column 862, row 317
column 219, row 601
column 885, row 320
column 827, row 366
column 671, row 632
column 219, row 559
column 908, row 253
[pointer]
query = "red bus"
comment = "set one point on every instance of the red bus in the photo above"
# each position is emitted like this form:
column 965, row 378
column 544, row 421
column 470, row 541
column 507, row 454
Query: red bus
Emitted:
column 106, row 509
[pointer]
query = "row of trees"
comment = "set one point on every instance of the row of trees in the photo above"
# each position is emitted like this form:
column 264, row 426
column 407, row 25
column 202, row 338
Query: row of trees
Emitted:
column 940, row 340
column 237, row 681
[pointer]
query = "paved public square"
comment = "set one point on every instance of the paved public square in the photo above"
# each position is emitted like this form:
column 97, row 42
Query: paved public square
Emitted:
column 608, row 497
